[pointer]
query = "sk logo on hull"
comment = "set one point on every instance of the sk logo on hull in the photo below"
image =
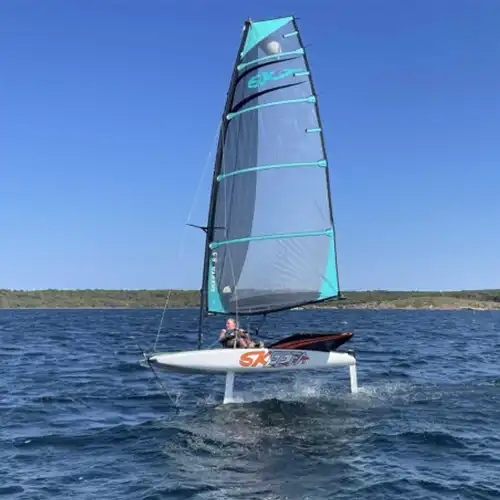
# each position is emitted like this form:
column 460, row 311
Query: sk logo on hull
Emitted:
column 254, row 359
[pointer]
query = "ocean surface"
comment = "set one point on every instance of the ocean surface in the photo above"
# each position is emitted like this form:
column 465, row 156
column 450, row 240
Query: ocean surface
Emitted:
column 80, row 418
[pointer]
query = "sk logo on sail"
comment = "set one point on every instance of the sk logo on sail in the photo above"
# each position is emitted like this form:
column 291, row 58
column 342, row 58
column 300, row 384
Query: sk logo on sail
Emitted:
column 260, row 79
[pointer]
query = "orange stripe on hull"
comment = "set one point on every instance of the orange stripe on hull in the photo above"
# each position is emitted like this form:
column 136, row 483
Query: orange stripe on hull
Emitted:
column 297, row 344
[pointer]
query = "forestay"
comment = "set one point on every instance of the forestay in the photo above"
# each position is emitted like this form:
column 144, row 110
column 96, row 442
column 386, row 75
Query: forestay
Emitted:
column 270, row 235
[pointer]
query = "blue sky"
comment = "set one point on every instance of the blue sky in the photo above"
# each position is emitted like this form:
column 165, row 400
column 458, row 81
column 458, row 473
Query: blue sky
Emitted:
column 109, row 109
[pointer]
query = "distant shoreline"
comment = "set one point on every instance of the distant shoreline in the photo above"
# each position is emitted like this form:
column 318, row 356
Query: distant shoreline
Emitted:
column 360, row 308
column 476, row 300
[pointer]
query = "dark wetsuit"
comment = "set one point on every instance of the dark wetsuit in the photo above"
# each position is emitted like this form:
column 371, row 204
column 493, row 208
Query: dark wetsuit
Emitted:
column 230, row 338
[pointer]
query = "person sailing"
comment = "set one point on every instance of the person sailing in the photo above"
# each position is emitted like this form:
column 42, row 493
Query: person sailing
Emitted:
column 233, row 336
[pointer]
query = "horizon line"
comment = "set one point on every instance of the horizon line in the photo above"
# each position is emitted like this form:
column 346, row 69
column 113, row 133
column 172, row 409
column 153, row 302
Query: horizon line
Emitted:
column 197, row 290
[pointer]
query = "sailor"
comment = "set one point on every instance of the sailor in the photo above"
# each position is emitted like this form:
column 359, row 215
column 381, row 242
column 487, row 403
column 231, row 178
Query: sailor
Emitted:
column 233, row 336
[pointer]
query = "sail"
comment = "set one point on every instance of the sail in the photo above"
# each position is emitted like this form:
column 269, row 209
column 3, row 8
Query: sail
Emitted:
column 270, row 236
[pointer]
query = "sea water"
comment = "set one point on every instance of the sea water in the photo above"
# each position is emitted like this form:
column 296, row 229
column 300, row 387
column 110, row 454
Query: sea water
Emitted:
column 80, row 417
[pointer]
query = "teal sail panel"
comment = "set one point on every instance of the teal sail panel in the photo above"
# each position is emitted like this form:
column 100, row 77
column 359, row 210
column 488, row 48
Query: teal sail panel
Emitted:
column 329, row 285
column 261, row 30
column 271, row 238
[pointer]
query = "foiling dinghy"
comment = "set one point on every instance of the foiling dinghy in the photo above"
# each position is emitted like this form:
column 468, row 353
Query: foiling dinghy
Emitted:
column 270, row 240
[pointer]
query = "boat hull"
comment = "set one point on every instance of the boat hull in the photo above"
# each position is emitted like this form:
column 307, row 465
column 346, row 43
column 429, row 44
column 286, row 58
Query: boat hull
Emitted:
column 249, row 360
column 317, row 341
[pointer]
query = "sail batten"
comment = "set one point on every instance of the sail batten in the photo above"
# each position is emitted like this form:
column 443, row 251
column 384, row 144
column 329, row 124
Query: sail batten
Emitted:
column 271, row 239
column 326, row 232
column 269, row 58
column 320, row 163
column 310, row 99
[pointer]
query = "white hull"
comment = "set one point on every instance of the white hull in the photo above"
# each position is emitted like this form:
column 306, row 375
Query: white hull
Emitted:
column 250, row 360
column 231, row 361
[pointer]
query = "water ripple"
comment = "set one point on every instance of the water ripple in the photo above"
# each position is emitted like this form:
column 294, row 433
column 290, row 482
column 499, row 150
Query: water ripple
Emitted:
column 81, row 418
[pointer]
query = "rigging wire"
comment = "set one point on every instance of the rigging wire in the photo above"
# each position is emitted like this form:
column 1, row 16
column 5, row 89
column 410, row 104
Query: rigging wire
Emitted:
column 183, row 236
column 175, row 402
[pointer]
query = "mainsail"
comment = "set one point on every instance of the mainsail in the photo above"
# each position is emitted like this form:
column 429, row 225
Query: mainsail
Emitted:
column 270, row 233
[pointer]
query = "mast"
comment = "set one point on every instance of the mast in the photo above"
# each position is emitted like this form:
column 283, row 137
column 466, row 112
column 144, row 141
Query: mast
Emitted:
column 213, row 194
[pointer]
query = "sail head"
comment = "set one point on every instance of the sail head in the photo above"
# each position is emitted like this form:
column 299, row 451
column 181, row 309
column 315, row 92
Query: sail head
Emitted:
column 271, row 239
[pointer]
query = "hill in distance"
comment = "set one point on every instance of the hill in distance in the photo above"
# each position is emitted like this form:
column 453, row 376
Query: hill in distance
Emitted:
column 375, row 299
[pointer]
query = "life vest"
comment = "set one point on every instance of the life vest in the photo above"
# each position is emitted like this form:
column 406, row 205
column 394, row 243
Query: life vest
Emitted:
column 229, row 338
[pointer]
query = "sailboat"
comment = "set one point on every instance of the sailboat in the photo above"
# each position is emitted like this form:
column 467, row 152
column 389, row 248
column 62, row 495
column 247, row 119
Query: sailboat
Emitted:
column 270, row 239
